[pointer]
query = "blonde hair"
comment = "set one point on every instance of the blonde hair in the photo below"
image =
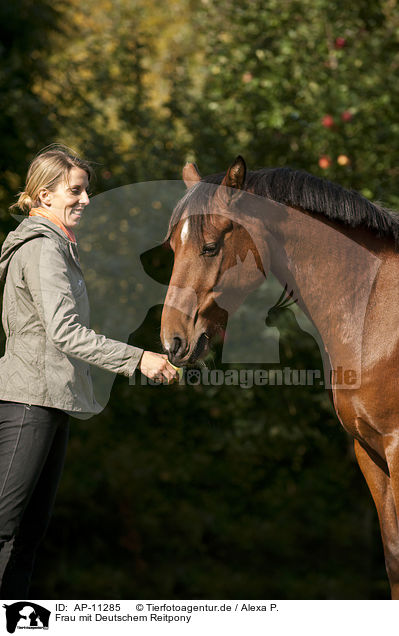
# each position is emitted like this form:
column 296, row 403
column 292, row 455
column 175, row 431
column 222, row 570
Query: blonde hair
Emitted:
column 50, row 166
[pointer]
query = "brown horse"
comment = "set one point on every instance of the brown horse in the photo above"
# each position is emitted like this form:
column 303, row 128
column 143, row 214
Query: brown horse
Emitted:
column 335, row 252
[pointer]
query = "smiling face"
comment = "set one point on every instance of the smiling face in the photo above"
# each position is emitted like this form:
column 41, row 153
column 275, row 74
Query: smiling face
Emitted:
column 69, row 198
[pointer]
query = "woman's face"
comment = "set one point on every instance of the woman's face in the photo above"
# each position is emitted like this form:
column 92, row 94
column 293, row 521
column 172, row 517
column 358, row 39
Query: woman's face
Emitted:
column 69, row 199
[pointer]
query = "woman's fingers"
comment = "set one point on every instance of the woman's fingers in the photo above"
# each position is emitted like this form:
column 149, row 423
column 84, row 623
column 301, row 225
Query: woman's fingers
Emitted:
column 169, row 373
column 156, row 367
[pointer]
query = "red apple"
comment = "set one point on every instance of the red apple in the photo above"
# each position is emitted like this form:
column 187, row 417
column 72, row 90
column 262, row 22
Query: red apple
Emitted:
column 339, row 43
column 324, row 162
column 328, row 121
column 346, row 115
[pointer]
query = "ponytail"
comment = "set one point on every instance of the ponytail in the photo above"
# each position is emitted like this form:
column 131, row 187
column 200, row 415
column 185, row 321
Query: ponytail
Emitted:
column 24, row 202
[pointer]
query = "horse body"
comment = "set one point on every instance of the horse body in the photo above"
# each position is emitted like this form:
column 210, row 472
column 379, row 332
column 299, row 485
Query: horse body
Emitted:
column 344, row 277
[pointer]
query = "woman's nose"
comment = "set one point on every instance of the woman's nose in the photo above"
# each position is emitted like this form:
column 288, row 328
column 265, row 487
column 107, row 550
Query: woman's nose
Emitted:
column 84, row 198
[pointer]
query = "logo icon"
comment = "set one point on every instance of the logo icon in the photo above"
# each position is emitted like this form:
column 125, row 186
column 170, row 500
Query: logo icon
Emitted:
column 26, row 615
column 193, row 376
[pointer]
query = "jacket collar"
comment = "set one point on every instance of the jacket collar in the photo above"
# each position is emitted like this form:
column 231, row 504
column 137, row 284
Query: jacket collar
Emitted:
column 48, row 214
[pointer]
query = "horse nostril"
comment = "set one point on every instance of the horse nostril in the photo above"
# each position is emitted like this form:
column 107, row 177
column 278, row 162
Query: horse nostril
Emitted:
column 177, row 345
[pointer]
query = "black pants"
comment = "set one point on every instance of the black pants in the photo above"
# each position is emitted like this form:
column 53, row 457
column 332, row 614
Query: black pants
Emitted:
column 33, row 441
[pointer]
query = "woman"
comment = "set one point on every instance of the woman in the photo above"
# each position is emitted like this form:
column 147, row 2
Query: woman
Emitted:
column 44, row 374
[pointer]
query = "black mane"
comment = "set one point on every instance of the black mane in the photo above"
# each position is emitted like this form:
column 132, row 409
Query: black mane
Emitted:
column 298, row 189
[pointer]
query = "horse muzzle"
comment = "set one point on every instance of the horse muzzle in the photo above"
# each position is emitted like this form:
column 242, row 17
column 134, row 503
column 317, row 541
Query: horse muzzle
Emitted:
column 180, row 352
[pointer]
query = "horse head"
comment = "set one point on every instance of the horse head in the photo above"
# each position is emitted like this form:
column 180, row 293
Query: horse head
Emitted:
column 216, row 262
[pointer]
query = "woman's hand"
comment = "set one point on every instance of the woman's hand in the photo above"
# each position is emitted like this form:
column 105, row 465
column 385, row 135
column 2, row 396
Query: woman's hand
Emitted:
column 156, row 367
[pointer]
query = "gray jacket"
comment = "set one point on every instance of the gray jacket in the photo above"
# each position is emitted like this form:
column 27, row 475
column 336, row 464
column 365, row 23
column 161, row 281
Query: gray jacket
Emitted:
column 45, row 317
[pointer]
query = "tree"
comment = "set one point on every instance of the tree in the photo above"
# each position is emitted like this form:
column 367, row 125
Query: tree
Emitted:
column 26, row 36
column 274, row 72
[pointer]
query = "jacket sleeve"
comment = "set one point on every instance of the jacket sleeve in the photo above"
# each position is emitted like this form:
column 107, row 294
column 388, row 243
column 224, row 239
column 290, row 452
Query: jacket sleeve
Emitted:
column 46, row 275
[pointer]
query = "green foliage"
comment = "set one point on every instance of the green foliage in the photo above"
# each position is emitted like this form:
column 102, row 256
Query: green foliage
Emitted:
column 26, row 28
column 274, row 70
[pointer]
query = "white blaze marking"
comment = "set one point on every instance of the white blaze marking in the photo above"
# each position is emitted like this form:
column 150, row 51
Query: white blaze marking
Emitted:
column 184, row 232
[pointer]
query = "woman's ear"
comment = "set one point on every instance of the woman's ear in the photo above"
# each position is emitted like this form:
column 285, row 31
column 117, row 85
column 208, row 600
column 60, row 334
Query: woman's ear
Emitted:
column 44, row 196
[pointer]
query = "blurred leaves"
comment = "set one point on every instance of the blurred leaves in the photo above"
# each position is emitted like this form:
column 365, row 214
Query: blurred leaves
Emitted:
column 27, row 28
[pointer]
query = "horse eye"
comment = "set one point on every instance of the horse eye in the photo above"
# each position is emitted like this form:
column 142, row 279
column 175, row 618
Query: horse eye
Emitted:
column 209, row 249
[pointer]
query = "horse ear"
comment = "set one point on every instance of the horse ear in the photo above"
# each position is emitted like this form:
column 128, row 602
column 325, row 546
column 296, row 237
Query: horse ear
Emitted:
column 235, row 175
column 191, row 174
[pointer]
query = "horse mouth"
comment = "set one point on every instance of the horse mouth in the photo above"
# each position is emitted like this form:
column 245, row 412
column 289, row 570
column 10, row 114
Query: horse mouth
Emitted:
column 200, row 348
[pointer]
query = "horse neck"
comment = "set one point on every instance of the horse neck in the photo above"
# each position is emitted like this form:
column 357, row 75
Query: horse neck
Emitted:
column 331, row 274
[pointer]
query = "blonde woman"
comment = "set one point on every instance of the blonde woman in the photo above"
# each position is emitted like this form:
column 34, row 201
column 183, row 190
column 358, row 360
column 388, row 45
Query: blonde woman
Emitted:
column 45, row 372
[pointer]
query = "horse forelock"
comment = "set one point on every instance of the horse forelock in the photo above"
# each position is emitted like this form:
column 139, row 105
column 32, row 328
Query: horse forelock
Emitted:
column 195, row 206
